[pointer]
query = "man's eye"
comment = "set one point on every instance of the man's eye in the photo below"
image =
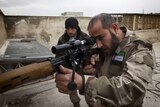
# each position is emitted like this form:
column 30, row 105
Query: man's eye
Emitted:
column 101, row 37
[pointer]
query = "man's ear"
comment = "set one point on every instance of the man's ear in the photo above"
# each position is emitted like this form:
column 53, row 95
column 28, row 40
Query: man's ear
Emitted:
column 114, row 26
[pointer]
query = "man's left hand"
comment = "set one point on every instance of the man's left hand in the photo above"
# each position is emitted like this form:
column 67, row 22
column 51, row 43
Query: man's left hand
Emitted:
column 62, row 79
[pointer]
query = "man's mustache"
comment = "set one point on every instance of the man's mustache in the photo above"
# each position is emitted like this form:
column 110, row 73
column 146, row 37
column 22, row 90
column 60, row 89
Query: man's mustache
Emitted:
column 103, row 50
column 70, row 34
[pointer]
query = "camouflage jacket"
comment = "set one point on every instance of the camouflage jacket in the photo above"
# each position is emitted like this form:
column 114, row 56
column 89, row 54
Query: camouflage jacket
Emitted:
column 121, row 78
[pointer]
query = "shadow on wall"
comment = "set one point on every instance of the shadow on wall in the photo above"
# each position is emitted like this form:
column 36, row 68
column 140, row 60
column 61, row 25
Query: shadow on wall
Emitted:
column 25, row 30
column 22, row 29
column 45, row 36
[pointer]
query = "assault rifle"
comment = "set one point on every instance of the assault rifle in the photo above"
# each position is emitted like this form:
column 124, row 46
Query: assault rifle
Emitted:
column 75, row 54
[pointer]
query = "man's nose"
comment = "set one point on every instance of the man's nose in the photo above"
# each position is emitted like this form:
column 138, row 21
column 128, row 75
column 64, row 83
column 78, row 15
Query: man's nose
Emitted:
column 69, row 30
column 99, row 43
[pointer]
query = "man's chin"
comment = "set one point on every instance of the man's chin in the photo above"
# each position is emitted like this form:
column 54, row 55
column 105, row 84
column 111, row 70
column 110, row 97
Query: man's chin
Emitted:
column 104, row 51
column 71, row 35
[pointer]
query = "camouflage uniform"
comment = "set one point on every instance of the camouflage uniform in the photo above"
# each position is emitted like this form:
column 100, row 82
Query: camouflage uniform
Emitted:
column 122, row 78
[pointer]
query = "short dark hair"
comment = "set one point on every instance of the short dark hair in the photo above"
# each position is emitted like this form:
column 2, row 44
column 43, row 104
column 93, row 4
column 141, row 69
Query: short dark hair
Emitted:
column 106, row 20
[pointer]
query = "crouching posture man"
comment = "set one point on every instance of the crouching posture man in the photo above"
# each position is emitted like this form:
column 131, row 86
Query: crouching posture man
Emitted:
column 122, row 73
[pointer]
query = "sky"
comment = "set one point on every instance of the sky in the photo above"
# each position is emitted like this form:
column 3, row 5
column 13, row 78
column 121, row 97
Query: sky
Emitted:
column 88, row 7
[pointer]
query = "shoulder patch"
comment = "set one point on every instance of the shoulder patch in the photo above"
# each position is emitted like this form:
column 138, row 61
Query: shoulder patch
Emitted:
column 118, row 58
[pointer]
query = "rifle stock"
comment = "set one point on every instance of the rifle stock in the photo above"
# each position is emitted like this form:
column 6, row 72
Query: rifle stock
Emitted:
column 75, row 55
column 13, row 78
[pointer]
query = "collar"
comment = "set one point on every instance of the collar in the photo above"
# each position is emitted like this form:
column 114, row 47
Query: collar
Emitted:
column 125, row 41
column 122, row 44
column 74, row 37
column 129, row 32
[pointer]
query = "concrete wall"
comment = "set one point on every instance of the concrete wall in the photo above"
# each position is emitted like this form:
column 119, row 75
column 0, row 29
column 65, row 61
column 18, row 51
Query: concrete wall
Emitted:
column 141, row 21
column 3, row 35
column 152, row 35
column 46, row 30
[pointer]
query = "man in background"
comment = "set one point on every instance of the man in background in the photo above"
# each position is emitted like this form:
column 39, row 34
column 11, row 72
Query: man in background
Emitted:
column 72, row 31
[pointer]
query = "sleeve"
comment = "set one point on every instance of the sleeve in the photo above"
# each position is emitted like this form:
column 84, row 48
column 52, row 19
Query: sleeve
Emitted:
column 127, row 89
column 83, row 35
column 59, row 41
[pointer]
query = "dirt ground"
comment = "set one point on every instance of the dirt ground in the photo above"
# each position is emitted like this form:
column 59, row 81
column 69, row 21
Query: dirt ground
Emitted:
column 152, row 98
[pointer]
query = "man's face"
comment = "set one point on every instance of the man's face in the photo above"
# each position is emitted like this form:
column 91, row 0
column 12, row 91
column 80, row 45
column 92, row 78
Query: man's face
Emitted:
column 106, row 40
column 71, row 31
